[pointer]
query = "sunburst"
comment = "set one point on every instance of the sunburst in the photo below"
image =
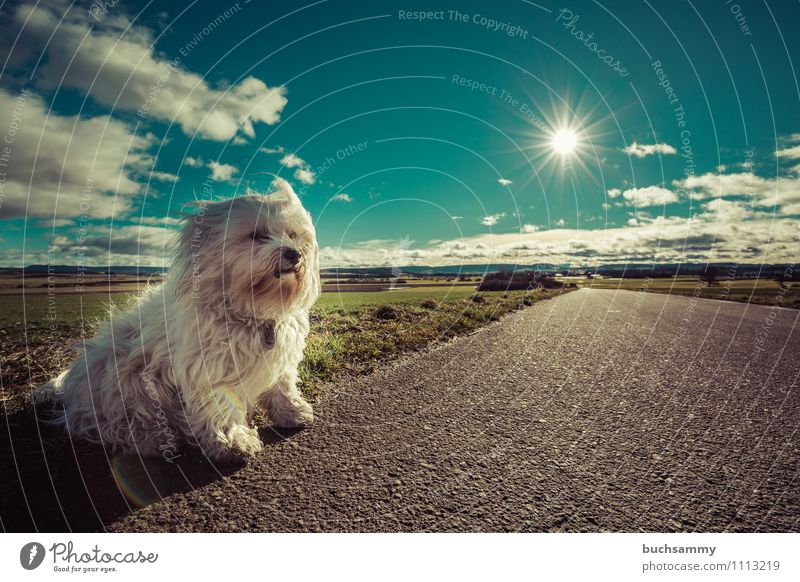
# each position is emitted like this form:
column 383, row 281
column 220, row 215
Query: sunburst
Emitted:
column 564, row 141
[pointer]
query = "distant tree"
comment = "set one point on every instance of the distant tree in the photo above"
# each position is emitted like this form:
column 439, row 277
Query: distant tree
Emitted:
column 517, row 280
column 709, row 275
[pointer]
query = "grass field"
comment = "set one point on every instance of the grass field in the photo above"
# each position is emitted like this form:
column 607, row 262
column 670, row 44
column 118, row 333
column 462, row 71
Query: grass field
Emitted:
column 351, row 332
column 359, row 299
column 760, row 291
column 75, row 310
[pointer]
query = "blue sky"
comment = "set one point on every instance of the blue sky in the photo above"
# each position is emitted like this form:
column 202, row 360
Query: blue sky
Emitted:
column 415, row 132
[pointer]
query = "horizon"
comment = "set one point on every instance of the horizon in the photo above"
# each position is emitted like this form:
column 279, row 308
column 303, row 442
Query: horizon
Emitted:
column 638, row 266
column 407, row 147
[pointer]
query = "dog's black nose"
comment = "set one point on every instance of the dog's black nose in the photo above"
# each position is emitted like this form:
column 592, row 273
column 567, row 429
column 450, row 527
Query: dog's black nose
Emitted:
column 291, row 255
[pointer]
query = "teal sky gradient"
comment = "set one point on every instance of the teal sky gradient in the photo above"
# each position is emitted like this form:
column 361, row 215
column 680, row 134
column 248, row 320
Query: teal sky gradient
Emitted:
column 442, row 110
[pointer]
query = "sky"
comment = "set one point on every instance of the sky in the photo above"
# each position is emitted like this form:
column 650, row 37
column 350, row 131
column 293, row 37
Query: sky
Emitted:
column 416, row 133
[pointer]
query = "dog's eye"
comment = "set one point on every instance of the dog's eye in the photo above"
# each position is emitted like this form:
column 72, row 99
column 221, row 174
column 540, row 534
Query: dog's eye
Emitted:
column 260, row 236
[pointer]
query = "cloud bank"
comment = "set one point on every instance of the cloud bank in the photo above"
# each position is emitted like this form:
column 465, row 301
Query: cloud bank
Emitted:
column 115, row 63
column 67, row 166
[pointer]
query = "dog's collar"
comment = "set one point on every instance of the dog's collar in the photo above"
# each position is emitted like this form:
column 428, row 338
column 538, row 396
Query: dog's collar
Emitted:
column 269, row 334
column 265, row 327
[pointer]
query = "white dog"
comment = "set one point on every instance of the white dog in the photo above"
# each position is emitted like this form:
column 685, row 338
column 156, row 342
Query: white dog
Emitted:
column 223, row 333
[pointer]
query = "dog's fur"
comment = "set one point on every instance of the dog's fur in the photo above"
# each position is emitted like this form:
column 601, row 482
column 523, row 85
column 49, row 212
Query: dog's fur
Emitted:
column 223, row 333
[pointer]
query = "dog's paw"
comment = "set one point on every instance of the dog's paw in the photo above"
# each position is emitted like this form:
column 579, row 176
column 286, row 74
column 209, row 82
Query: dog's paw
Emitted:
column 244, row 440
column 234, row 445
column 298, row 415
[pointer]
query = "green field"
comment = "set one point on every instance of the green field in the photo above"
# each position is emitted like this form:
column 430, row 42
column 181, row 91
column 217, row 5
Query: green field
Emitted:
column 72, row 309
column 359, row 299
column 67, row 309
column 351, row 332
column 760, row 291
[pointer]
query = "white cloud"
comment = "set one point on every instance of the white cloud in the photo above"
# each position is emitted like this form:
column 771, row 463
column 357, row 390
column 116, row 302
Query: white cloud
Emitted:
column 504, row 182
column 727, row 211
column 166, row 221
column 115, row 63
column 559, row 222
column 342, row 198
column 719, row 232
column 277, row 150
column 305, row 175
column 650, row 196
column 614, row 192
column 293, row 161
column 791, row 208
column 639, row 217
column 57, row 223
column 222, row 172
column 642, row 150
column 193, row 162
column 783, row 191
column 792, row 152
column 163, row 176
column 718, row 185
column 69, row 166
column 124, row 245
column 492, row 219
column 529, row 228
column 454, row 217
column 303, row 172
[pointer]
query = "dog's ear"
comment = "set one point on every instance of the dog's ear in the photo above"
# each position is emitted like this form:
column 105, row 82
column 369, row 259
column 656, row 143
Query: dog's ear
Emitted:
column 282, row 190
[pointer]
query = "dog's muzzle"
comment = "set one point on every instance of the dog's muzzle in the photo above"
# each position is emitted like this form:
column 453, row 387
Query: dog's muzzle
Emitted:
column 291, row 262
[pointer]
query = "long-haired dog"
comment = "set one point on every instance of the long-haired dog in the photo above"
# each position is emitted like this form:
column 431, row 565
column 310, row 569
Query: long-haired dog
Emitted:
column 223, row 334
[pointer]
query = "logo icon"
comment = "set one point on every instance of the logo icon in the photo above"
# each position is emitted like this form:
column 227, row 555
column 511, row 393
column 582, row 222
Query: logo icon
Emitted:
column 31, row 555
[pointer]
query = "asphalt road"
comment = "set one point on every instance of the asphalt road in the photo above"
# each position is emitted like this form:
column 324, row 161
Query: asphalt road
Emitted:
column 596, row 411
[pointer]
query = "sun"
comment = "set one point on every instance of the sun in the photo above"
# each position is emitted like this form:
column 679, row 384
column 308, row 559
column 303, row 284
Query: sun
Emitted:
column 564, row 142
